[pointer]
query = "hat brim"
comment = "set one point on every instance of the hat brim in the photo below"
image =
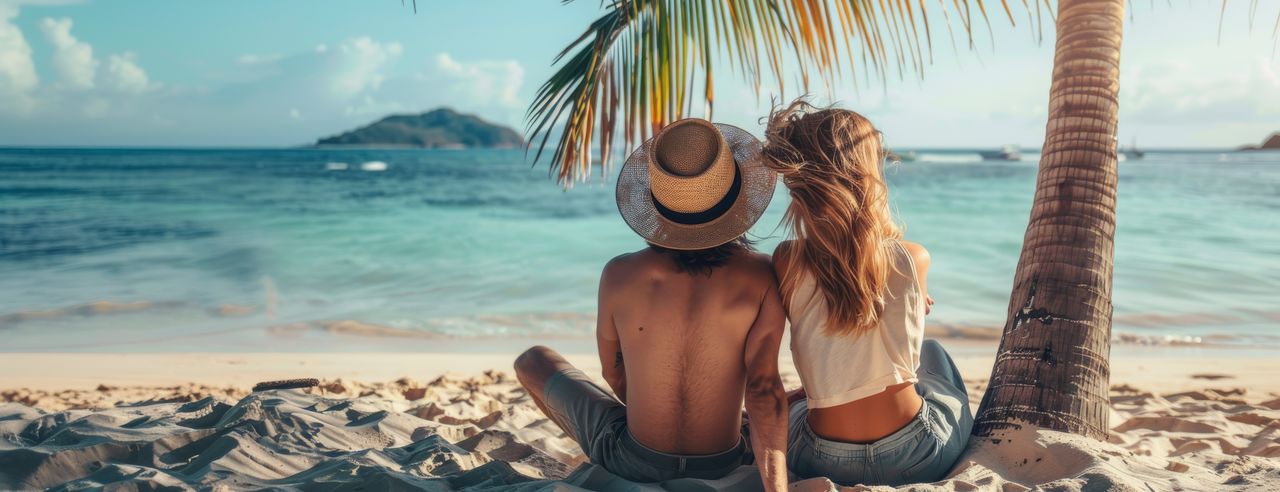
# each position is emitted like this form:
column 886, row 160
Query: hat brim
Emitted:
column 635, row 201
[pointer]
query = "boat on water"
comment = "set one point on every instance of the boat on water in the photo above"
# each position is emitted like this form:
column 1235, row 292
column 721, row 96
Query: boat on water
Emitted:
column 1006, row 153
column 908, row 156
column 1132, row 152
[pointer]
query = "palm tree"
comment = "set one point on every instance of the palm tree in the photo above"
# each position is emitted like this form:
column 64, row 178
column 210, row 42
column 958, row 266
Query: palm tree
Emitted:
column 1052, row 367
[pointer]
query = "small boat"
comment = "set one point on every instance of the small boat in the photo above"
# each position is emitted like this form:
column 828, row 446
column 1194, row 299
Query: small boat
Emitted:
column 1132, row 152
column 1006, row 153
column 908, row 156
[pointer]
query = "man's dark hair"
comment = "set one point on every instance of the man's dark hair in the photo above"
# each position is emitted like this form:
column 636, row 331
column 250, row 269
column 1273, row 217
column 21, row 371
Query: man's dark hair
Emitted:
column 703, row 261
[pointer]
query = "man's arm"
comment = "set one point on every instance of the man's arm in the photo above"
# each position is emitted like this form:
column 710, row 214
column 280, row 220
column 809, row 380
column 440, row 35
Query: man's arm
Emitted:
column 607, row 343
column 765, row 399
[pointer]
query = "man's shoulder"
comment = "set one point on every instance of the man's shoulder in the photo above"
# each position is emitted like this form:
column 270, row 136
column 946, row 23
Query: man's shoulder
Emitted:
column 628, row 263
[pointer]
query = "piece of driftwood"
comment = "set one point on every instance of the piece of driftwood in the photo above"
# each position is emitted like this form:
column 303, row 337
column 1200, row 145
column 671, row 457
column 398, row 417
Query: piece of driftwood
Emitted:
column 286, row 384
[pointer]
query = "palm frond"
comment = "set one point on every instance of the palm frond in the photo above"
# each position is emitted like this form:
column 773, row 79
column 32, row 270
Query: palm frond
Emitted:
column 640, row 64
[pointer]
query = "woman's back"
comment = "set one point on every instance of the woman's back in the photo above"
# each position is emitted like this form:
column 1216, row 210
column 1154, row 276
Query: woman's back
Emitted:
column 866, row 376
column 837, row 368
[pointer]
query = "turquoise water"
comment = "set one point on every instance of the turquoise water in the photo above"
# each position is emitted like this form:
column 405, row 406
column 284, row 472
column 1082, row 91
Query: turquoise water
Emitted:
column 211, row 249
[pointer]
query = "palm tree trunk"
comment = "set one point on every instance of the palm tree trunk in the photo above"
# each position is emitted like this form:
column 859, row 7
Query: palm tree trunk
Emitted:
column 1052, row 367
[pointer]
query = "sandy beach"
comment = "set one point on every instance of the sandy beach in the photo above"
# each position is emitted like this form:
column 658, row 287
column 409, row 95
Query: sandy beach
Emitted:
column 1183, row 419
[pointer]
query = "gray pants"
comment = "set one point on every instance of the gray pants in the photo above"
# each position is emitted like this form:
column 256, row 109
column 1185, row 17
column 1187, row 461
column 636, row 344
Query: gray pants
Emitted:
column 922, row 451
column 598, row 421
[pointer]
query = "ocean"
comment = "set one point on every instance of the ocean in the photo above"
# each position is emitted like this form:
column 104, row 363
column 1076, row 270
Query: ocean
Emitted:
column 266, row 249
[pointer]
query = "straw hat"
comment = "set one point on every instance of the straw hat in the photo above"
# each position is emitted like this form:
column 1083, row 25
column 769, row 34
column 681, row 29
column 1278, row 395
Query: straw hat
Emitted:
column 695, row 185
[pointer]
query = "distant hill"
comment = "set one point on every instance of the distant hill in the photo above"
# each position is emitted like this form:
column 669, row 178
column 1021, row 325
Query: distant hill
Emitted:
column 441, row 128
column 1271, row 143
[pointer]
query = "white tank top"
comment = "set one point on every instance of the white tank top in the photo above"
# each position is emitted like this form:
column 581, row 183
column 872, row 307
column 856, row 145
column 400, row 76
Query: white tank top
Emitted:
column 839, row 369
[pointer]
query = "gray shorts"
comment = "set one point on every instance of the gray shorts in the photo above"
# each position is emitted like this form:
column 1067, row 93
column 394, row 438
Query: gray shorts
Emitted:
column 598, row 421
column 923, row 451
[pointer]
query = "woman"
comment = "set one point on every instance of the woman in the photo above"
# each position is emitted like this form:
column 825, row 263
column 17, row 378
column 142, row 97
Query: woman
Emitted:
column 880, row 405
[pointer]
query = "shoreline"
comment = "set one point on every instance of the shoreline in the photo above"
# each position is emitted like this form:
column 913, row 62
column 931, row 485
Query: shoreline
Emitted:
column 240, row 332
column 1158, row 368
column 250, row 327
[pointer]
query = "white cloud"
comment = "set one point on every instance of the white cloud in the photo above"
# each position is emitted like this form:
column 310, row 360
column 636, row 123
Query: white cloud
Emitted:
column 252, row 59
column 72, row 58
column 361, row 64
column 96, row 108
column 86, row 88
column 486, row 82
column 17, row 71
column 319, row 90
column 124, row 75
column 1182, row 91
column 368, row 106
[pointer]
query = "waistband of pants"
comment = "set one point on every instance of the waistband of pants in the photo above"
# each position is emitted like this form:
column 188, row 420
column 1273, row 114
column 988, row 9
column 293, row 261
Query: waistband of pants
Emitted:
column 681, row 463
column 899, row 438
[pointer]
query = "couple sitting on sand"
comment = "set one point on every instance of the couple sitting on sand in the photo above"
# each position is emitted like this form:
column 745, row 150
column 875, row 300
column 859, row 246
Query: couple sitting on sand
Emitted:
column 690, row 327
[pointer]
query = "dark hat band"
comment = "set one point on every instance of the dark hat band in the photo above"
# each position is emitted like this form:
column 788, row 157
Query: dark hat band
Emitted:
column 708, row 215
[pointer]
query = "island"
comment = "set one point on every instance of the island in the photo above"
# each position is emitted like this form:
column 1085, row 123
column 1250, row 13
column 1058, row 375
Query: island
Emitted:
column 441, row 128
column 1271, row 143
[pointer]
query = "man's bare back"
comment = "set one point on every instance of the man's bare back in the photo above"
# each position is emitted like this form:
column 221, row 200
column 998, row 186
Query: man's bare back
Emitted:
column 674, row 343
column 688, row 329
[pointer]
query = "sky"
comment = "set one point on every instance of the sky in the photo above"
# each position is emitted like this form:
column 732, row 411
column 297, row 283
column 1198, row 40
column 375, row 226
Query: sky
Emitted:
column 250, row 73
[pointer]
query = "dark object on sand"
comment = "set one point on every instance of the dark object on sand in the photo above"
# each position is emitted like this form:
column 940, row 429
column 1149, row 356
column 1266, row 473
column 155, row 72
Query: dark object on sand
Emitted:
column 286, row 384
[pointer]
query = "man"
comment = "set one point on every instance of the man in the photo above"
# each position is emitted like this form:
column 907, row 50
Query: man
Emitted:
column 687, row 328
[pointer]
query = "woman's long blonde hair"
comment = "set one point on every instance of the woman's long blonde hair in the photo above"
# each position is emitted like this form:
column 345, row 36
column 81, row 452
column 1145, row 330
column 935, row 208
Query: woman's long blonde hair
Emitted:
column 830, row 160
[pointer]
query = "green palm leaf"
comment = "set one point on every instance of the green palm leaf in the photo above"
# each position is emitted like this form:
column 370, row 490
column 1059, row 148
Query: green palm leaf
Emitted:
column 645, row 63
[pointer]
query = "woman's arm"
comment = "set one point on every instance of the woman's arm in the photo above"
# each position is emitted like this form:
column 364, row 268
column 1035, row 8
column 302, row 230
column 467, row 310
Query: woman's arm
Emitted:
column 921, row 258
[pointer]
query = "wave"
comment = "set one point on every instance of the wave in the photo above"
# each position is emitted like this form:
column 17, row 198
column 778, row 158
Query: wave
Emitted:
column 347, row 327
column 949, row 158
column 580, row 325
column 1150, row 329
column 40, row 237
column 97, row 308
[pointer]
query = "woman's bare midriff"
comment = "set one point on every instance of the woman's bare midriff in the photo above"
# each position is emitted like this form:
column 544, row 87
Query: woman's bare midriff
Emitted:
column 870, row 419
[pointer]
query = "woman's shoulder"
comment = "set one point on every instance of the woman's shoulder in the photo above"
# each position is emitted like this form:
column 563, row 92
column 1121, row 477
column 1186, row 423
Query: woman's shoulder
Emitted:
column 781, row 254
column 783, row 249
column 917, row 253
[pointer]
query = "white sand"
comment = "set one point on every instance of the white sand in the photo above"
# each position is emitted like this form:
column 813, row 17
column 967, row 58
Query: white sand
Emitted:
column 1189, row 420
